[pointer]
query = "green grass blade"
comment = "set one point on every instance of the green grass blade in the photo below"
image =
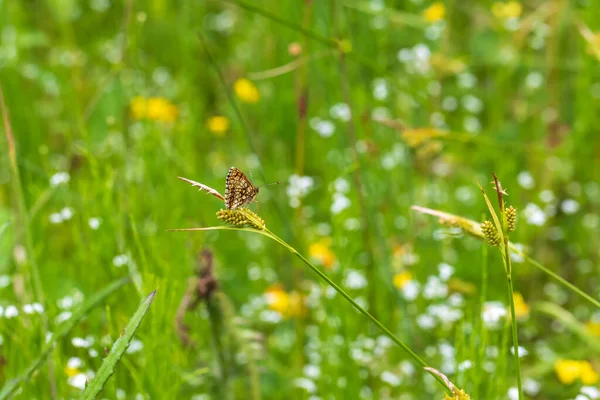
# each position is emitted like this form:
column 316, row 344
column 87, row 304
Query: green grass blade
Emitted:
column 569, row 321
column 495, row 218
column 110, row 362
column 11, row 386
column 3, row 229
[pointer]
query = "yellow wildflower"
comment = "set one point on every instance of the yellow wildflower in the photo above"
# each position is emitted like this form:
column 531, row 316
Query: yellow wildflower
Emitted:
column 72, row 367
column 71, row 371
column 570, row 370
column 593, row 327
column 460, row 286
column 511, row 9
column 153, row 108
column 445, row 65
column 521, row 308
column 218, row 125
column 588, row 375
column 321, row 252
column 402, row 278
column 435, row 12
column 246, row 91
column 287, row 304
column 417, row 136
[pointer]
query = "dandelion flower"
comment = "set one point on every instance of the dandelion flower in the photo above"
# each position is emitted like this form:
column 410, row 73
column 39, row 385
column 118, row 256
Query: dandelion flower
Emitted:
column 511, row 9
column 588, row 375
column 593, row 327
column 402, row 278
column 286, row 304
column 218, row 125
column 321, row 251
column 521, row 308
column 568, row 371
column 246, row 91
column 435, row 12
column 153, row 108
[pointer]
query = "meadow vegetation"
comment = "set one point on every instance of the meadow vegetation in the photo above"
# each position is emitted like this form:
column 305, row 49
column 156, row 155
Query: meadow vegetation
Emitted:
column 439, row 199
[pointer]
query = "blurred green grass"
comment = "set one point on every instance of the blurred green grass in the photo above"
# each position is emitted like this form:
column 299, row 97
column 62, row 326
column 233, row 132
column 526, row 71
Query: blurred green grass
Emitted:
column 519, row 96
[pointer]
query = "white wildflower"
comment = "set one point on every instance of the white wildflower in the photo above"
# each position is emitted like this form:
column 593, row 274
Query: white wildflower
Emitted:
column 534, row 215
column 11, row 312
column 525, row 180
column 78, row 381
column 569, row 206
column 94, row 223
column 135, row 346
column 59, row 178
column 120, row 260
column 340, row 203
column 323, row 127
column 355, row 280
column 492, row 312
column 390, row 378
column 66, row 213
column 340, row 111
column 4, row 281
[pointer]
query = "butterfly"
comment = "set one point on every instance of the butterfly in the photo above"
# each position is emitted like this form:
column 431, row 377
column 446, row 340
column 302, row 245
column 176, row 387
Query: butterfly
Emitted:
column 239, row 190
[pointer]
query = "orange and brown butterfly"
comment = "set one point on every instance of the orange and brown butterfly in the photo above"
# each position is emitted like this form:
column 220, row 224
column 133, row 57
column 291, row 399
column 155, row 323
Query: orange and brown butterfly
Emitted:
column 239, row 191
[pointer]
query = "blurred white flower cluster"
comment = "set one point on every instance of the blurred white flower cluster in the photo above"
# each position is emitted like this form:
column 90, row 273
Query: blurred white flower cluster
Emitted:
column 298, row 188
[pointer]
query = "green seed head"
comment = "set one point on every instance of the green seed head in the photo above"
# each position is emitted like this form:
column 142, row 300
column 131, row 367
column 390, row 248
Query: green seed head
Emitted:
column 511, row 218
column 490, row 233
column 241, row 217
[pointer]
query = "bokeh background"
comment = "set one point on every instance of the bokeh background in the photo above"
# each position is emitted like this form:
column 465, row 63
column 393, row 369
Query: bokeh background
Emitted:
column 360, row 109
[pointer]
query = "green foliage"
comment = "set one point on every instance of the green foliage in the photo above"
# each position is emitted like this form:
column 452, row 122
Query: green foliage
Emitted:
column 109, row 364
column 362, row 109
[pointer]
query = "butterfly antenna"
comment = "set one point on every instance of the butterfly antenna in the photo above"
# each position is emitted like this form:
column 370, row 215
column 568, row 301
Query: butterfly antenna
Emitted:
column 270, row 184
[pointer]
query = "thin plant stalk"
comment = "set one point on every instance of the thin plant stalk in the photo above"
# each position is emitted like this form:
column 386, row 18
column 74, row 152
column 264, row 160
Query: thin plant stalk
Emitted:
column 356, row 173
column 216, row 326
column 34, row 272
column 502, row 229
column 472, row 227
column 515, row 336
column 265, row 232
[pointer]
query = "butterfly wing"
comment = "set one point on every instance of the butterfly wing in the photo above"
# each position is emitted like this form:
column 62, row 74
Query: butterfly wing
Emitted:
column 238, row 189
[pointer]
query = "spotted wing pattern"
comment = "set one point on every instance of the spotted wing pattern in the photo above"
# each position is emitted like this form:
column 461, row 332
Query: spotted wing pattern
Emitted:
column 239, row 191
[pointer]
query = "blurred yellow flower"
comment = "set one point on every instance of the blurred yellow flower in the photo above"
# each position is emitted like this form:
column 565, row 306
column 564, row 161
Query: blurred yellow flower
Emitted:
column 435, row 12
column 153, row 108
column 588, row 375
column 521, row 308
column 71, row 371
column 460, row 286
column 321, row 251
column 445, row 65
column 511, row 9
column 287, row 304
column 570, row 370
column 218, row 125
column 402, row 278
column 416, row 136
column 593, row 327
column 246, row 91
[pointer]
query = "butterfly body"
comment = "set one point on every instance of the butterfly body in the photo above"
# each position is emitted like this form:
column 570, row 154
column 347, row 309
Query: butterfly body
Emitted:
column 239, row 190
